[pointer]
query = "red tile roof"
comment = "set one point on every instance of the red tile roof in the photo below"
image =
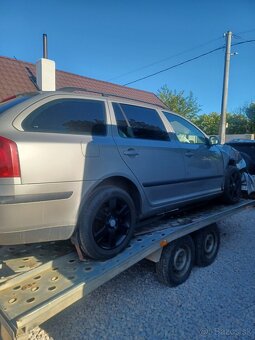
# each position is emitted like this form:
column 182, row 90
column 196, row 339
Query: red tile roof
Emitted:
column 19, row 77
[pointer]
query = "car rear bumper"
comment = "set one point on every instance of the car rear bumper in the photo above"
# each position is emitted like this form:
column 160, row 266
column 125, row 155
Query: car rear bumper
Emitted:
column 39, row 213
column 34, row 221
column 36, row 235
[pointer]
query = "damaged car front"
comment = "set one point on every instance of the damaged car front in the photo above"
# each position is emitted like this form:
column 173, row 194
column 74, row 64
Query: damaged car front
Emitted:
column 231, row 154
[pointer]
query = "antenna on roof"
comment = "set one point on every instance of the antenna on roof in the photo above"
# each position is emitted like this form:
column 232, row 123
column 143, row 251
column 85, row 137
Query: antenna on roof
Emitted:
column 45, row 46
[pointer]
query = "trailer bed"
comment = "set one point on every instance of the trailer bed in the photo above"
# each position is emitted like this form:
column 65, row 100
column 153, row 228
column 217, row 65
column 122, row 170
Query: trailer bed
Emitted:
column 40, row 280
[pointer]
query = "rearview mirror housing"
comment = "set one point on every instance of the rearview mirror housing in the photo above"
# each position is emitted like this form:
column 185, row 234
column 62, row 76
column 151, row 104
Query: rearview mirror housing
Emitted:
column 214, row 140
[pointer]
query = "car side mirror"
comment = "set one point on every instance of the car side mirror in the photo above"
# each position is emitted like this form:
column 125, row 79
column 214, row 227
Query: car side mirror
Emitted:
column 214, row 140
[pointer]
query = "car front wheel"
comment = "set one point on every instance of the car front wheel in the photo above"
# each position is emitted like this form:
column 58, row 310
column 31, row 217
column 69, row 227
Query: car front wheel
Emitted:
column 232, row 185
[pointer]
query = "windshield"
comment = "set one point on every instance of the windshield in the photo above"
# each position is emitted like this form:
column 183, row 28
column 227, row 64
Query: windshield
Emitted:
column 12, row 102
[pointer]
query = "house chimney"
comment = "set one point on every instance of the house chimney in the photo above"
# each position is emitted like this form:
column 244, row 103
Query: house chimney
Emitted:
column 45, row 46
column 45, row 70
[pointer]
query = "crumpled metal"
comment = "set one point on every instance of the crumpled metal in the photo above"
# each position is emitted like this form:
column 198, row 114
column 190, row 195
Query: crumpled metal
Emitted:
column 248, row 182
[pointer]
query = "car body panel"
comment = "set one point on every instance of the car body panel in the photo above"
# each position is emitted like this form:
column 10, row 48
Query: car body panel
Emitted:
column 246, row 148
column 156, row 164
column 204, row 166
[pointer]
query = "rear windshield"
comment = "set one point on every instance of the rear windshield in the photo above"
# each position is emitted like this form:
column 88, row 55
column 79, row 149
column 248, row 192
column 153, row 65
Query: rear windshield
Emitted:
column 12, row 102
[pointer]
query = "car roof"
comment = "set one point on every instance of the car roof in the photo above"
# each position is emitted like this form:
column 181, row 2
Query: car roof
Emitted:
column 83, row 93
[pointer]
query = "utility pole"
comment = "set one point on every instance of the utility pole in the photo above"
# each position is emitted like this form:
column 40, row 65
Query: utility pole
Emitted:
column 222, row 131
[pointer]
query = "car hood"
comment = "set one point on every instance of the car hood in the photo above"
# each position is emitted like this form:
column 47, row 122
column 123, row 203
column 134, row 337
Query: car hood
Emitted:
column 230, row 153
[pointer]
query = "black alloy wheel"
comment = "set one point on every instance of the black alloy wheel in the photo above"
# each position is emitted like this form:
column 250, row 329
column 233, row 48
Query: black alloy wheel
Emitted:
column 112, row 223
column 107, row 222
column 233, row 185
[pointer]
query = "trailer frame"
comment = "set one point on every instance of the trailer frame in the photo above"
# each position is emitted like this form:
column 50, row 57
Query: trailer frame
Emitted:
column 38, row 281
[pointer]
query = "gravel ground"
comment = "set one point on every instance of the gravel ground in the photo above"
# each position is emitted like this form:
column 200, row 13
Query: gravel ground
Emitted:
column 215, row 302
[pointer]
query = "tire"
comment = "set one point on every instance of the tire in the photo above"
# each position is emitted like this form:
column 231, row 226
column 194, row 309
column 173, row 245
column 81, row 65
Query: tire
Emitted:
column 106, row 223
column 176, row 262
column 207, row 242
column 232, row 185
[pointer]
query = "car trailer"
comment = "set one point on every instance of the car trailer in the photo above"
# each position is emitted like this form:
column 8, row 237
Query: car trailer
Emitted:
column 38, row 281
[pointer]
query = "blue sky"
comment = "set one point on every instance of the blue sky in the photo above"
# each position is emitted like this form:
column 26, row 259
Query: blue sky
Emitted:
column 116, row 40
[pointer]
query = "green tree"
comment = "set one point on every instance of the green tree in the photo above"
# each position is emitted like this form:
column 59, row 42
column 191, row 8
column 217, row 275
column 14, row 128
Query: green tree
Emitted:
column 186, row 106
column 250, row 112
column 209, row 123
column 237, row 123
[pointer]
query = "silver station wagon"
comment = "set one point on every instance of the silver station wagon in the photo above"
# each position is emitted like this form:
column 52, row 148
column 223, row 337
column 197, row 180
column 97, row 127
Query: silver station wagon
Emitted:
column 89, row 167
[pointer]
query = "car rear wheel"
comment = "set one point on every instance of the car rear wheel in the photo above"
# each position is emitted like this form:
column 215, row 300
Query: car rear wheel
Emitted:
column 232, row 186
column 107, row 222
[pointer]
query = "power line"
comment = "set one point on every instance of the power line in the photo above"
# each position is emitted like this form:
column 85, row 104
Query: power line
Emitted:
column 176, row 65
column 187, row 61
column 243, row 32
column 243, row 42
column 237, row 35
column 165, row 59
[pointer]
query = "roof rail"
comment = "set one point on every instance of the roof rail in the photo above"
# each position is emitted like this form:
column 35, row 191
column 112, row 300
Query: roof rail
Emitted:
column 77, row 89
column 18, row 95
column 105, row 94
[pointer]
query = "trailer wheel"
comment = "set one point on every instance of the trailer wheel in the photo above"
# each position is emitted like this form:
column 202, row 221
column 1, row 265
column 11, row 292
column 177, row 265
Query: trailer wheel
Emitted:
column 106, row 223
column 207, row 242
column 176, row 262
column 232, row 186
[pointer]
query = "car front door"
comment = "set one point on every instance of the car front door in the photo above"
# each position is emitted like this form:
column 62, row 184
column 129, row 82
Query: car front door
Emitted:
column 204, row 163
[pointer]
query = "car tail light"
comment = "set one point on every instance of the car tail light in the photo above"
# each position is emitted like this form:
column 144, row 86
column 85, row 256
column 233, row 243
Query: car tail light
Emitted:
column 9, row 159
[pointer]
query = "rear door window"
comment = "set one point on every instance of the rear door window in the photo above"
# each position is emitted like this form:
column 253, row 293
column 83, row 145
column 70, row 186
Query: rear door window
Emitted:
column 139, row 122
column 70, row 116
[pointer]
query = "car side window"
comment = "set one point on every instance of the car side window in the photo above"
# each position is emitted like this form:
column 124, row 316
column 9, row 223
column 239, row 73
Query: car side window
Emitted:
column 139, row 122
column 184, row 130
column 70, row 116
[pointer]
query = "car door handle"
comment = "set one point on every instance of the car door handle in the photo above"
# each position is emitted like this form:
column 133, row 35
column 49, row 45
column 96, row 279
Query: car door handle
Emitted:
column 131, row 152
column 189, row 154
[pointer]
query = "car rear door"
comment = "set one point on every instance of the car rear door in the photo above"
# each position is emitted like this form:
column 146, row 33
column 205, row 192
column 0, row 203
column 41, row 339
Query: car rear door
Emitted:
column 147, row 149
